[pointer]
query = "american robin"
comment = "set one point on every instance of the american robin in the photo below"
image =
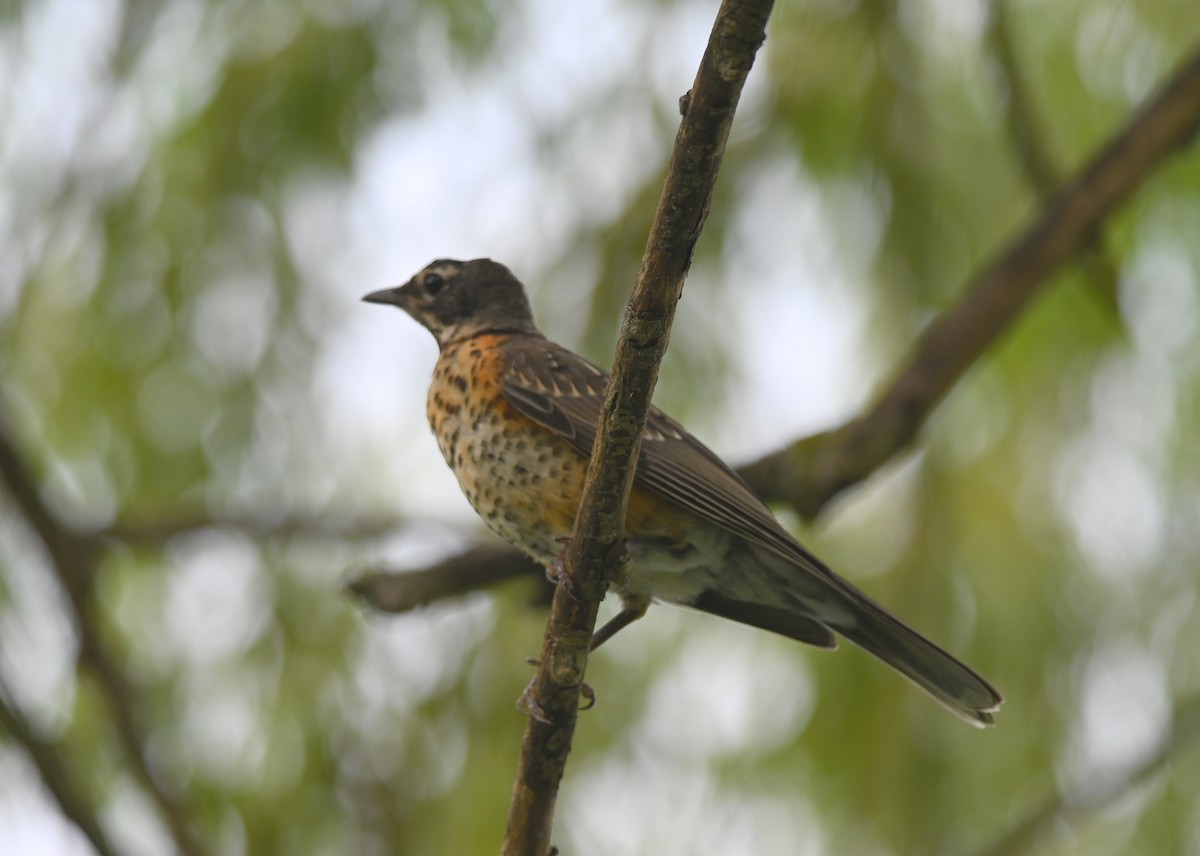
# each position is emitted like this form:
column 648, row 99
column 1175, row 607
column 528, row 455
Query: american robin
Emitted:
column 515, row 416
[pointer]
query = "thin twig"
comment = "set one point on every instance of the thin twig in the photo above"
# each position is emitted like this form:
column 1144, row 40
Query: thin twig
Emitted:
column 55, row 774
column 594, row 553
column 1025, row 123
column 74, row 559
column 1021, row 115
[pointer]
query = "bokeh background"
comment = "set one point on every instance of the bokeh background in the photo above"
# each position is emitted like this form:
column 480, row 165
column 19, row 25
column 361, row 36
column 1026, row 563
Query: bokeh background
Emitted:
column 193, row 197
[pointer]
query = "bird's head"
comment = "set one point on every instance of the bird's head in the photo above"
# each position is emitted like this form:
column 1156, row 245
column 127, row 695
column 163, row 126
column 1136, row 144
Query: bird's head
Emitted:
column 455, row 300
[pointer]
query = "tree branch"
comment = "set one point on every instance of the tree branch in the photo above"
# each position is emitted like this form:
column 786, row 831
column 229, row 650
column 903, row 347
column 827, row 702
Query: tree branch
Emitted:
column 479, row 566
column 74, row 559
column 595, row 553
column 808, row 474
column 55, row 774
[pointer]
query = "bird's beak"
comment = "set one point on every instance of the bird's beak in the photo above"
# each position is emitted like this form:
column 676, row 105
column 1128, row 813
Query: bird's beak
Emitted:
column 392, row 296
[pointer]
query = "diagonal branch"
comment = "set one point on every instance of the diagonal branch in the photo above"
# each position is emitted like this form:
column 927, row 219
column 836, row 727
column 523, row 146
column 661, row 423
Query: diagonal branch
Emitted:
column 809, row 473
column 595, row 552
column 56, row 775
column 74, row 558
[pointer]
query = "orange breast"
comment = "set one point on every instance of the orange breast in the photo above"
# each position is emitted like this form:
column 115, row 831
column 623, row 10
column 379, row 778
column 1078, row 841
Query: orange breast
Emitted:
column 522, row 479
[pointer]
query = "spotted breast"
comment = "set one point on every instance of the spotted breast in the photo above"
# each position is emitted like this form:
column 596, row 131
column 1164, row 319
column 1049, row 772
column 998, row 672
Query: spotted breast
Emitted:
column 522, row 479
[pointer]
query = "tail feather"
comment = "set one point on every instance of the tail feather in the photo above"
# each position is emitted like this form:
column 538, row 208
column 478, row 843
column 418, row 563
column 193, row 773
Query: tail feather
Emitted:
column 778, row 619
column 946, row 679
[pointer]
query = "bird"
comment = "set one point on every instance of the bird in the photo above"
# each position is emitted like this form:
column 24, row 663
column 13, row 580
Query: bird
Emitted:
column 515, row 416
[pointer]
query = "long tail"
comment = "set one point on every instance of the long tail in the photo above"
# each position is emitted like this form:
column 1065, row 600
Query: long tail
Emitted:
column 946, row 679
column 950, row 682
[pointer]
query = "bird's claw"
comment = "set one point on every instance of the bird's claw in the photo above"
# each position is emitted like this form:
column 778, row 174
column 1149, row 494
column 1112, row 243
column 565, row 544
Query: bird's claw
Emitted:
column 556, row 572
column 528, row 703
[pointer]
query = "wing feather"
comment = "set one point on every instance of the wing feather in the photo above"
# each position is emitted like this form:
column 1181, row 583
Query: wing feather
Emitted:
column 564, row 392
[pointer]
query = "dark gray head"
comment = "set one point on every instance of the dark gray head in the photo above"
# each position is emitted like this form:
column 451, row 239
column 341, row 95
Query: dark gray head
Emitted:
column 455, row 300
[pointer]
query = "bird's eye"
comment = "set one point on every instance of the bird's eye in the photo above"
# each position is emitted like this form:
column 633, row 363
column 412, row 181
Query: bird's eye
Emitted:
column 434, row 283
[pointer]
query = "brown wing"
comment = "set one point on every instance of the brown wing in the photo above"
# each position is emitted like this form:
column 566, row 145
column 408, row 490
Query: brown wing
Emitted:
column 564, row 392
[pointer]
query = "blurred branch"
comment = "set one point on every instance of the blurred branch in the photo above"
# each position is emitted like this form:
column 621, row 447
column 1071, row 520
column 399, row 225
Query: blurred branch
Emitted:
column 809, row 473
column 596, row 550
column 1021, row 114
column 1024, row 122
column 75, row 558
column 1100, row 791
column 478, row 567
column 47, row 757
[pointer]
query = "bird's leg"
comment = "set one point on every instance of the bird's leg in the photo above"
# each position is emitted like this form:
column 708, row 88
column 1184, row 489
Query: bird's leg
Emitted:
column 633, row 607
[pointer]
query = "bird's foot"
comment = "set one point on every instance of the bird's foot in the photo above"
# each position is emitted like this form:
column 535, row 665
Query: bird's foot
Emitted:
column 528, row 703
column 530, row 706
column 557, row 570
